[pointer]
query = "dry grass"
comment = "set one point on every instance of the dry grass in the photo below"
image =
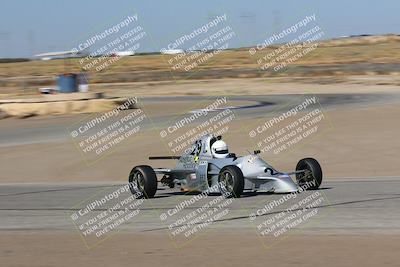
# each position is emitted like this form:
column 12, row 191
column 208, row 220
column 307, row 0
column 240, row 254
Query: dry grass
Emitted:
column 227, row 64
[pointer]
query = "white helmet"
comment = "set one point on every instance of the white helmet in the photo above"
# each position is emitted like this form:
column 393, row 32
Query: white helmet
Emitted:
column 219, row 149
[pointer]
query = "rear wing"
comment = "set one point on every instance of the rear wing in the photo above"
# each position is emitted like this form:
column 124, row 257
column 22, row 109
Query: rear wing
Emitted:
column 170, row 171
column 164, row 157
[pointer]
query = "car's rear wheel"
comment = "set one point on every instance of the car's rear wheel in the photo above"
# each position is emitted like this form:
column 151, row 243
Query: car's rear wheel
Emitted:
column 143, row 181
column 231, row 181
column 311, row 178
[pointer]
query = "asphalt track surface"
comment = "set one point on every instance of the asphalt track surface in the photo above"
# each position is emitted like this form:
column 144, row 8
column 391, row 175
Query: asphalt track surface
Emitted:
column 349, row 206
column 365, row 205
column 54, row 129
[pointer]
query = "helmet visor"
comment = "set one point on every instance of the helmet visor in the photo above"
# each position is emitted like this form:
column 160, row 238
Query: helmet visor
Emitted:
column 225, row 151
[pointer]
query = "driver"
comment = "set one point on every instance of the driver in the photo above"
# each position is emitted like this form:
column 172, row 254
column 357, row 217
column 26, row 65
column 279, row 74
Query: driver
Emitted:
column 219, row 149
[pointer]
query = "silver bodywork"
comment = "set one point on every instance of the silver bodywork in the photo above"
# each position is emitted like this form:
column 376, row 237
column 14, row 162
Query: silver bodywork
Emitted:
column 198, row 170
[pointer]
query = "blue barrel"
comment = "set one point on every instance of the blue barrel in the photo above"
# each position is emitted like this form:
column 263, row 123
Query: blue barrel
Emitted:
column 68, row 83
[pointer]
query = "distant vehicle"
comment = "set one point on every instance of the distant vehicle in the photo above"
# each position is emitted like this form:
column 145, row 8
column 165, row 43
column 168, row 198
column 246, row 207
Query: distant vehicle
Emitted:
column 48, row 90
column 124, row 53
column 209, row 165
column 172, row 51
column 59, row 54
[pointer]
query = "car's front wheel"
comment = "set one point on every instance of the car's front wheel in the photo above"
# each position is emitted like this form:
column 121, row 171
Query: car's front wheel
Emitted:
column 143, row 181
column 311, row 178
column 231, row 181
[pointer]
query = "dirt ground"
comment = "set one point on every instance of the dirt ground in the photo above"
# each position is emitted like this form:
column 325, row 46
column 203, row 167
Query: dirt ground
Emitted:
column 212, row 249
column 358, row 142
column 256, row 86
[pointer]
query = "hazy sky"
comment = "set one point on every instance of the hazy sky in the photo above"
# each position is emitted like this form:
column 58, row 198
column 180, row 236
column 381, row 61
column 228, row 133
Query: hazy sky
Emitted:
column 35, row 26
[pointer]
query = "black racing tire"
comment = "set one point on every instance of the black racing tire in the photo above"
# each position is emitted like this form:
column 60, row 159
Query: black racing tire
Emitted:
column 231, row 181
column 145, row 179
column 314, row 179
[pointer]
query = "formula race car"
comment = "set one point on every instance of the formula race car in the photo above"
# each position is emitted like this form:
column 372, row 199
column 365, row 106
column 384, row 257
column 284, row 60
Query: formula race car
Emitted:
column 209, row 167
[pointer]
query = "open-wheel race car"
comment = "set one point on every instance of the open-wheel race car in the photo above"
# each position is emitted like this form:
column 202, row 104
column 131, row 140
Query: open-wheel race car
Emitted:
column 208, row 166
